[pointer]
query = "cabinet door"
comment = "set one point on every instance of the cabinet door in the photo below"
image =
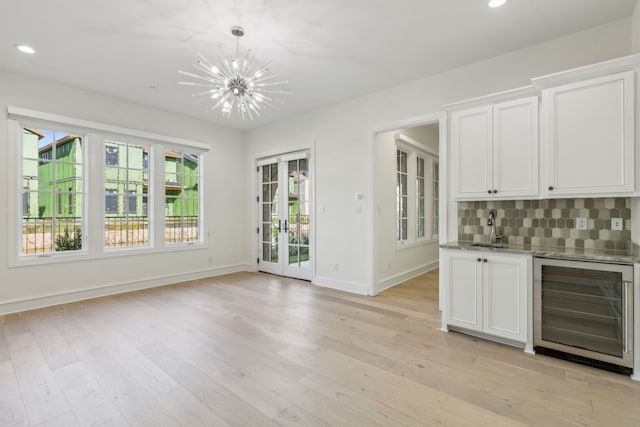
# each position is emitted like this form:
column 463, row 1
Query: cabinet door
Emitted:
column 464, row 289
column 515, row 148
column 589, row 136
column 505, row 299
column 471, row 137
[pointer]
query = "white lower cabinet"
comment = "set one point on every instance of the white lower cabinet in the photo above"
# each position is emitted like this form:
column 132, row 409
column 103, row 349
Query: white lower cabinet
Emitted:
column 487, row 293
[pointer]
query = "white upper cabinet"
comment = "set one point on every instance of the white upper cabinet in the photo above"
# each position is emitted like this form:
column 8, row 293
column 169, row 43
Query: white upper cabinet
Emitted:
column 495, row 150
column 588, row 137
column 472, row 135
column 515, row 148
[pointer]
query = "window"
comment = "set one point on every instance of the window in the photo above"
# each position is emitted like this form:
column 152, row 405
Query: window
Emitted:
column 53, row 197
column 125, row 226
column 420, row 198
column 182, row 211
column 402, row 198
column 26, row 202
column 132, row 202
column 70, row 201
column 111, row 201
column 111, row 155
column 435, row 180
column 52, row 166
column 416, row 193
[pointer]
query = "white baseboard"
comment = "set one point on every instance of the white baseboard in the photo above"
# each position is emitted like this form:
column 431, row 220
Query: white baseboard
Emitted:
column 402, row 277
column 15, row 306
column 341, row 285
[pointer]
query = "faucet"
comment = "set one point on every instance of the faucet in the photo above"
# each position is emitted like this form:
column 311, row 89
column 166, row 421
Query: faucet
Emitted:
column 492, row 223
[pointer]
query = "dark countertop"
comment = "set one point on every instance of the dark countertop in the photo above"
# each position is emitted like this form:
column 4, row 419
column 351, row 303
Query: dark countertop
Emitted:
column 599, row 255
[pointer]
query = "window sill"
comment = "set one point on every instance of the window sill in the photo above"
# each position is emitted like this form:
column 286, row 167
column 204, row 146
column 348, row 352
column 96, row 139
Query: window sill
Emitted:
column 417, row 243
column 45, row 259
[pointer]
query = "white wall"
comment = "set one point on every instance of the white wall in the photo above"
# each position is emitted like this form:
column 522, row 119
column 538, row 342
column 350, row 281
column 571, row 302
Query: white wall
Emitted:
column 428, row 135
column 225, row 186
column 635, row 29
column 343, row 136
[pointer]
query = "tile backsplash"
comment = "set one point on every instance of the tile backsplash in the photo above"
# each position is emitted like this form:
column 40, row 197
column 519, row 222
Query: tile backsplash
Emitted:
column 550, row 222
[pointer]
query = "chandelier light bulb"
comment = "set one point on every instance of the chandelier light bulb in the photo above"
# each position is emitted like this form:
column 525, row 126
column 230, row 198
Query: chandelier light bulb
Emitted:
column 246, row 88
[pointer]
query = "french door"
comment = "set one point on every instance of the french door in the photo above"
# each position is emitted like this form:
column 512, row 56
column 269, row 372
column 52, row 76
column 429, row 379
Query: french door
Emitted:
column 284, row 212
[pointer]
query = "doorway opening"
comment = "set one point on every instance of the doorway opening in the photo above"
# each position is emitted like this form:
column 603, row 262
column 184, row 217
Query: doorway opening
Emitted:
column 408, row 182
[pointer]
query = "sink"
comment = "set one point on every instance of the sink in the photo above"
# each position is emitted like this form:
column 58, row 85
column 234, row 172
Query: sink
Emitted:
column 490, row 245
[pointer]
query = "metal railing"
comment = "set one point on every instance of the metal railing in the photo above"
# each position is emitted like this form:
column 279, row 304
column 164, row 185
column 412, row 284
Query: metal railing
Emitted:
column 39, row 235
column 46, row 235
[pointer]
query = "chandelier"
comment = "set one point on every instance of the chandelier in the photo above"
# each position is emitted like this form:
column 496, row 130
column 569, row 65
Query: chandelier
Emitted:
column 236, row 83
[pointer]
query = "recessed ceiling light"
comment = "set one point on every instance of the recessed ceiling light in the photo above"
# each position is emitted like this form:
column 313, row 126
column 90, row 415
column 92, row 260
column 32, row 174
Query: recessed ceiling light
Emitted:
column 497, row 3
column 25, row 49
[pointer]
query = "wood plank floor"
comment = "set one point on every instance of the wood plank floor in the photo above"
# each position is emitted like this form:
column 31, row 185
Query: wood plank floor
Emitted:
column 258, row 350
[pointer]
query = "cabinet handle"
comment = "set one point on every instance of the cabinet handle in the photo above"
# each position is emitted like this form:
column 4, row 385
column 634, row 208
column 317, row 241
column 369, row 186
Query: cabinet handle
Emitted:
column 485, row 260
column 489, row 191
column 495, row 191
column 550, row 188
column 479, row 259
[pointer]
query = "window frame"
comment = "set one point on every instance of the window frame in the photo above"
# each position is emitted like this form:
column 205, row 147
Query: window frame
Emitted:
column 416, row 150
column 94, row 135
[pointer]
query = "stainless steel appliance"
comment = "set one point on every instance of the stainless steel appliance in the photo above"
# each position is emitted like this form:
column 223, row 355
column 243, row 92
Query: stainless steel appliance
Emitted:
column 583, row 311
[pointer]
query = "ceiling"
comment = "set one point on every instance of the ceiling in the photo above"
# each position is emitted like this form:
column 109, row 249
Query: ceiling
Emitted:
column 328, row 50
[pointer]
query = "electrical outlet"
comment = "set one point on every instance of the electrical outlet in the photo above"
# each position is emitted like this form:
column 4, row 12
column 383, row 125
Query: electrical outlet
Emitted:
column 581, row 223
column 616, row 223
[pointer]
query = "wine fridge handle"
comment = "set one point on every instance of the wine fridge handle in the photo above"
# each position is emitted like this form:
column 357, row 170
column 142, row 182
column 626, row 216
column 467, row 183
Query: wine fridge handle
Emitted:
column 628, row 315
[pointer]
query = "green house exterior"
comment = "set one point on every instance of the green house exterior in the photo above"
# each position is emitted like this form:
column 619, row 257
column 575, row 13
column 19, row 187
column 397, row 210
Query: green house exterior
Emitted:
column 50, row 185
column 126, row 179
column 55, row 188
column 181, row 184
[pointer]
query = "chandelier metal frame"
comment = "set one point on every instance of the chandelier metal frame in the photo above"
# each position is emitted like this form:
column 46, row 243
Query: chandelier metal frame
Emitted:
column 236, row 83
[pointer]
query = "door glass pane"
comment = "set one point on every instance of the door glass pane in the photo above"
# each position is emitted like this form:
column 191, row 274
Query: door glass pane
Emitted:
column 266, row 252
column 266, row 173
column 270, row 233
column 298, row 215
column 266, row 212
column 293, row 254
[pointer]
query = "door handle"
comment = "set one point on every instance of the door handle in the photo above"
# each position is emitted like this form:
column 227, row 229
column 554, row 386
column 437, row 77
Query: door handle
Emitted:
column 279, row 225
column 627, row 317
column 286, row 226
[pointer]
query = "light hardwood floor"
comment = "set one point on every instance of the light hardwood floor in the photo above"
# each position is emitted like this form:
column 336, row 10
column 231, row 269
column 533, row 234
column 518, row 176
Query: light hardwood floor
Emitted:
column 259, row 350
